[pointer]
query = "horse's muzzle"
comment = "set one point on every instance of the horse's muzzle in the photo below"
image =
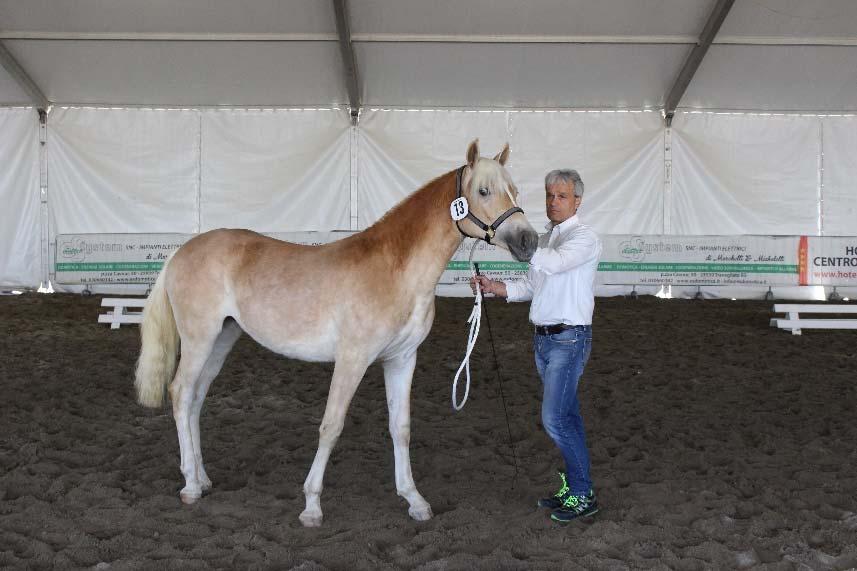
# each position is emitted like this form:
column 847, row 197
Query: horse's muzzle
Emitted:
column 524, row 245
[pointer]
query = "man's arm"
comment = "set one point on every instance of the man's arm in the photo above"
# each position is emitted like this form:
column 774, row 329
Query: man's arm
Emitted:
column 582, row 248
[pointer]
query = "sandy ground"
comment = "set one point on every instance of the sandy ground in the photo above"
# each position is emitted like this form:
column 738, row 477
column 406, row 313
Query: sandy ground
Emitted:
column 717, row 443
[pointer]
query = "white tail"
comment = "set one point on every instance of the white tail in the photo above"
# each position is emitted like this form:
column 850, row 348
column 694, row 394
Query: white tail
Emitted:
column 160, row 344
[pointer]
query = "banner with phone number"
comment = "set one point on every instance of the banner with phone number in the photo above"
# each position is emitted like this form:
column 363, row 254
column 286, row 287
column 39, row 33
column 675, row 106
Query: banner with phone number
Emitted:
column 700, row 260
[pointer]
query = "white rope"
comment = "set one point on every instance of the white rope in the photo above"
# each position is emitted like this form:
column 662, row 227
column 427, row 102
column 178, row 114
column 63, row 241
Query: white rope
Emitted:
column 475, row 321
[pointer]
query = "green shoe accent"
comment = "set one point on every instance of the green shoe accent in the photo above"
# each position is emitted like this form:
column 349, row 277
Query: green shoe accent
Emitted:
column 574, row 507
column 555, row 501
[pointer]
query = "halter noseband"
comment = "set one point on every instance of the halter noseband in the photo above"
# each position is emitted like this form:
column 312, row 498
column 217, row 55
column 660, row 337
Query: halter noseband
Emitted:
column 489, row 230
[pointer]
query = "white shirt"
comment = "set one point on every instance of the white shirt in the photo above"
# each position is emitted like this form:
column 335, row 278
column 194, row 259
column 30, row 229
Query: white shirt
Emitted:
column 561, row 278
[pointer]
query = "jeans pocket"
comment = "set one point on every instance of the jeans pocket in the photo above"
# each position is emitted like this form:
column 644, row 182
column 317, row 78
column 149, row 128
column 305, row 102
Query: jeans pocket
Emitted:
column 568, row 337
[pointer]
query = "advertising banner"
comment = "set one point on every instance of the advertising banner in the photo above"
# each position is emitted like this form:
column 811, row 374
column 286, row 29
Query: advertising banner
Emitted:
column 494, row 262
column 699, row 260
column 830, row 261
column 98, row 259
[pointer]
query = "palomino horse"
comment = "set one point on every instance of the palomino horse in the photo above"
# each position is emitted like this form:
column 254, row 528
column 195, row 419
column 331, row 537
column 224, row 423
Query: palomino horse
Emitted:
column 367, row 297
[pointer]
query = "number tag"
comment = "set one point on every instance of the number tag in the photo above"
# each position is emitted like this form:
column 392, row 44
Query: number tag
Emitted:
column 458, row 209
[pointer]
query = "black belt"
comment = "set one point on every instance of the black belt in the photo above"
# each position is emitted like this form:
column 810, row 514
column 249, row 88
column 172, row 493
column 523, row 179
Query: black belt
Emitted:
column 554, row 329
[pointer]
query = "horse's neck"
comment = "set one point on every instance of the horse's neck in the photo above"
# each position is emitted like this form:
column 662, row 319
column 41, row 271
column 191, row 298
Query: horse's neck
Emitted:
column 418, row 235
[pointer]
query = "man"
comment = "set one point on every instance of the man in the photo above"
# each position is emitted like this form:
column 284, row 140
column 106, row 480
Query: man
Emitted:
column 560, row 284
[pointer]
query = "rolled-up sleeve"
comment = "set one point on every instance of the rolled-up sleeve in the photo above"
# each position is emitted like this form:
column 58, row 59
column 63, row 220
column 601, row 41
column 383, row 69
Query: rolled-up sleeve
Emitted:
column 519, row 290
column 582, row 248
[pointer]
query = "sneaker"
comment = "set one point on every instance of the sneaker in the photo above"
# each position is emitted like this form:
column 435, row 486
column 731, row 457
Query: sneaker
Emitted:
column 574, row 507
column 555, row 501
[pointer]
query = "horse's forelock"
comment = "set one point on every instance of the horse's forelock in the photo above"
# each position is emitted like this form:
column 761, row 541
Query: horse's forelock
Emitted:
column 488, row 173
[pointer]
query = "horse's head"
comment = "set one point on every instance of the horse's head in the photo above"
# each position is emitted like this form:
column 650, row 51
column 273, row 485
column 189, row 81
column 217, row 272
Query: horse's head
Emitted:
column 492, row 201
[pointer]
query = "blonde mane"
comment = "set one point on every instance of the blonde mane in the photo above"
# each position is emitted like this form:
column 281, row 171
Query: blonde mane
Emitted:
column 406, row 224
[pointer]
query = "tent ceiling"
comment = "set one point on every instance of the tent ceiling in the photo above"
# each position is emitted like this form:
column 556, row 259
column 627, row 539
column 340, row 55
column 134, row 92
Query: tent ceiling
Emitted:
column 184, row 73
column 776, row 78
column 167, row 16
column 792, row 20
column 533, row 18
column 769, row 55
column 10, row 92
column 511, row 75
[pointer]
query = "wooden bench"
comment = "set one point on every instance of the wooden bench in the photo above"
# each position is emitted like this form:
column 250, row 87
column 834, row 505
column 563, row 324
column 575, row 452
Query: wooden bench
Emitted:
column 120, row 315
column 794, row 322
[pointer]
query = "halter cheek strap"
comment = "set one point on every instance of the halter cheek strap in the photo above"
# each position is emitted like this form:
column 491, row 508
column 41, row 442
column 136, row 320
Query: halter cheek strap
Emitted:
column 490, row 230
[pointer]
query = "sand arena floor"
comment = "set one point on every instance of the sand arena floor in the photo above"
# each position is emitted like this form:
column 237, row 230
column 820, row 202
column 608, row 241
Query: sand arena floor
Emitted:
column 717, row 443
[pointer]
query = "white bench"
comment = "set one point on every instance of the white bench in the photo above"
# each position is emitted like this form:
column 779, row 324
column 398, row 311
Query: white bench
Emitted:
column 120, row 315
column 794, row 322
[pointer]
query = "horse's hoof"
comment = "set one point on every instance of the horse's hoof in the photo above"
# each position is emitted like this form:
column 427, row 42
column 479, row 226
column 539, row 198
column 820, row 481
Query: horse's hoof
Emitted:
column 311, row 519
column 190, row 497
column 421, row 514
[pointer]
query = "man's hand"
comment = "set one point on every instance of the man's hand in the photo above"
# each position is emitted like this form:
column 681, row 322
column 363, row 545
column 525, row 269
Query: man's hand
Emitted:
column 496, row 287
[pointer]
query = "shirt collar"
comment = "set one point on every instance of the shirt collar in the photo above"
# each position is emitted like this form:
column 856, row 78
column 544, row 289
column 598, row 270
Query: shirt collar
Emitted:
column 565, row 225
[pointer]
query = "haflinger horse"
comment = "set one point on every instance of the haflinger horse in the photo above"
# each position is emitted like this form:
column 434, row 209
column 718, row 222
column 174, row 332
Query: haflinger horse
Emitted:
column 368, row 297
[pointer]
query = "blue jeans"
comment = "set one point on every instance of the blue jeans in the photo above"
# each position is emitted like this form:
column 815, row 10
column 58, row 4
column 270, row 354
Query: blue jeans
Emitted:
column 560, row 359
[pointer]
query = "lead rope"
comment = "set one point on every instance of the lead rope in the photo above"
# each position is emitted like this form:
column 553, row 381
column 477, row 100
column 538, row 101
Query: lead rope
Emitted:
column 475, row 321
column 502, row 396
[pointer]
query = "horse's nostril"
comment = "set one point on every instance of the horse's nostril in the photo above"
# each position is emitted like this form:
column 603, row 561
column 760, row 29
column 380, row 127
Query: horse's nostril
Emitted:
column 529, row 241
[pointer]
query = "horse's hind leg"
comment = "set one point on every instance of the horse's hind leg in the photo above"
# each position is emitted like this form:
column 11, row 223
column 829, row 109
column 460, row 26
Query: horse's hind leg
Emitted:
column 195, row 351
column 225, row 341
column 398, row 374
column 347, row 374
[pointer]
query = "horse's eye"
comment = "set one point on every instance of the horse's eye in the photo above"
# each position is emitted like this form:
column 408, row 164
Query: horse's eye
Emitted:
column 483, row 191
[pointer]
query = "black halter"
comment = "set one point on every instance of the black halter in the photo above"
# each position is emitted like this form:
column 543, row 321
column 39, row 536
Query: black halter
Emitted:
column 489, row 230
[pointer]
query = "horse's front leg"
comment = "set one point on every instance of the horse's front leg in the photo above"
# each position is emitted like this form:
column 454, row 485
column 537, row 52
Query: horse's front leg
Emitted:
column 398, row 374
column 347, row 374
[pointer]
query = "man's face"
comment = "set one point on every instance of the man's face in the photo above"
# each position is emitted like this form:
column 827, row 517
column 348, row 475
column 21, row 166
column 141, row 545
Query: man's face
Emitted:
column 560, row 202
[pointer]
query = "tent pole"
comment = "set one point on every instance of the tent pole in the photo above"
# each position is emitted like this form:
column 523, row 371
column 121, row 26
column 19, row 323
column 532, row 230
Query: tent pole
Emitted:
column 694, row 59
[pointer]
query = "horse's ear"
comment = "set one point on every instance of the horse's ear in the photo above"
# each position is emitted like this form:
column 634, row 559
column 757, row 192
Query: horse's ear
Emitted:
column 503, row 155
column 473, row 153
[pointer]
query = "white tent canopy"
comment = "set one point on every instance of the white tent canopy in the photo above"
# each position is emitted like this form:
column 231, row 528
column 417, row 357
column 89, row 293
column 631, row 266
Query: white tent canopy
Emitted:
column 183, row 116
column 777, row 55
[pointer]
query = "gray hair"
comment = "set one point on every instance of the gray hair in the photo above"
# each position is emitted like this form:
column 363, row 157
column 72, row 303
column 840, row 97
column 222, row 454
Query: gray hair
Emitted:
column 565, row 176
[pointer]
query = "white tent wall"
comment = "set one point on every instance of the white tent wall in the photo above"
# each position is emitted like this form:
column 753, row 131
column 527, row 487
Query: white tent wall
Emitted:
column 745, row 174
column 619, row 155
column 400, row 151
column 839, row 188
column 839, row 181
column 620, row 158
column 276, row 170
column 123, row 170
column 20, row 200
column 148, row 170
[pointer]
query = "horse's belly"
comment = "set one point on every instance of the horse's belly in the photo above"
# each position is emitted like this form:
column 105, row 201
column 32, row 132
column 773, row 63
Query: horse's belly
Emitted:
column 306, row 344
